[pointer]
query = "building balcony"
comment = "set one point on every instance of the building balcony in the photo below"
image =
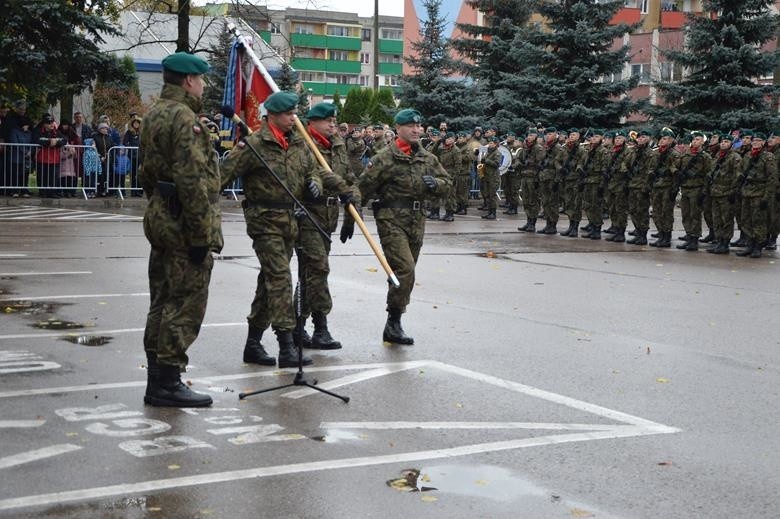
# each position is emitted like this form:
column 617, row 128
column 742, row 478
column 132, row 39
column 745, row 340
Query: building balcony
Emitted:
column 265, row 35
column 390, row 69
column 321, row 41
column 673, row 19
column 326, row 65
column 391, row 46
column 328, row 89
column 627, row 15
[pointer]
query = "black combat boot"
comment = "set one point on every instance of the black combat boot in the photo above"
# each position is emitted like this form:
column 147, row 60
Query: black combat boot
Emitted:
column 461, row 209
column 771, row 244
column 588, row 227
column 448, row 217
column 321, row 339
column 640, row 237
column 303, row 338
column 721, row 248
column 575, row 229
column 512, row 210
column 632, row 233
column 664, row 240
column 611, row 230
column 152, row 374
column 254, row 352
column 684, row 245
column 433, row 214
column 710, row 238
column 288, row 351
column 656, row 234
column 491, row 215
column 686, row 237
column 550, row 228
column 756, row 250
column 169, row 391
column 619, row 236
column 530, row 226
column 568, row 231
column 742, row 241
column 747, row 251
column 595, row 234
column 693, row 244
column 393, row 330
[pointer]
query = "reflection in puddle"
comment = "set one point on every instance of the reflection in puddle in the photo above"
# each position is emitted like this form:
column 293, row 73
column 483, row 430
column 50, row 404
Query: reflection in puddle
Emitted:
column 59, row 324
column 29, row 307
column 467, row 480
column 337, row 436
column 87, row 340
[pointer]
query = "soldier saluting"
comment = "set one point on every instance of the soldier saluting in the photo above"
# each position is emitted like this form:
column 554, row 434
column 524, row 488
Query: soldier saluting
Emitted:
column 400, row 177
column 180, row 176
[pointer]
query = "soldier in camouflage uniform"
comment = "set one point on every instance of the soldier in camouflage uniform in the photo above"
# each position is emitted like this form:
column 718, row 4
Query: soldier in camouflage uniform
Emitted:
column 591, row 177
column 530, row 159
column 638, row 166
column 462, row 179
column 451, row 159
column 759, row 185
column 694, row 165
column 664, row 189
column 180, row 176
column 713, row 148
column 572, row 202
column 271, row 221
column 722, row 192
column 774, row 217
column 617, row 187
column 312, row 249
column 400, row 178
column 490, row 177
column 511, row 178
column 745, row 137
column 356, row 149
column 549, row 180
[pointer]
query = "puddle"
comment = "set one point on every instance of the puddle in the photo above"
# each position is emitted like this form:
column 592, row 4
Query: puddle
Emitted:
column 59, row 324
column 87, row 340
column 29, row 307
column 487, row 481
column 338, row 436
column 7, row 278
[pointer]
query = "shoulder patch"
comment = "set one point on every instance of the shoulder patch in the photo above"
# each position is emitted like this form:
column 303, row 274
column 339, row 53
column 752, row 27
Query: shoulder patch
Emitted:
column 196, row 129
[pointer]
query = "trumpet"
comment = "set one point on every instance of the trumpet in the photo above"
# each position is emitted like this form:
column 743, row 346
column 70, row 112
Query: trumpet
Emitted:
column 481, row 170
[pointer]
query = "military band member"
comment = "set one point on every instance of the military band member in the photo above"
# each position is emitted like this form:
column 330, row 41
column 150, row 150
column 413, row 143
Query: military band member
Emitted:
column 489, row 176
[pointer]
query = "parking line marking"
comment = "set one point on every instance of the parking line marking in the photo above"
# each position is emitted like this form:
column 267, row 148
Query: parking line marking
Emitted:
column 71, row 273
column 349, row 379
column 20, row 424
column 38, row 454
column 466, row 425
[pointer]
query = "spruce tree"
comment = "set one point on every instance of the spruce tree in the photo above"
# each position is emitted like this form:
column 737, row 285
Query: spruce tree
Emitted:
column 339, row 106
column 724, row 56
column 219, row 53
column 431, row 89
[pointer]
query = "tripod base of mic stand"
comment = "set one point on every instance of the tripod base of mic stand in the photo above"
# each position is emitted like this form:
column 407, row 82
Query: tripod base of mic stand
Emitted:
column 298, row 381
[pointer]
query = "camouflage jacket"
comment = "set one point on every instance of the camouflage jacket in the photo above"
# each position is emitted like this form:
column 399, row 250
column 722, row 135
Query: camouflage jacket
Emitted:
column 638, row 166
column 466, row 159
column 175, row 147
column 759, row 175
column 550, row 168
column 337, row 159
column 572, row 155
column 594, row 161
column 450, row 159
column 394, row 176
column 530, row 159
column 615, row 174
column 665, row 168
column 722, row 179
column 356, row 148
column 693, row 169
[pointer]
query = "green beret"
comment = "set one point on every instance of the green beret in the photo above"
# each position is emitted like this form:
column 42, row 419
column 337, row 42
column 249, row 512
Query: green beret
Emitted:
column 407, row 116
column 449, row 135
column 378, row 127
column 609, row 134
column 746, row 132
column 511, row 134
column 726, row 137
column 492, row 139
column 551, row 129
column 596, row 131
column 759, row 135
column 463, row 134
column 645, row 132
column 280, row 102
column 434, row 133
column 322, row 111
column 185, row 63
column 621, row 133
column 697, row 134
column 666, row 132
column 574, row 130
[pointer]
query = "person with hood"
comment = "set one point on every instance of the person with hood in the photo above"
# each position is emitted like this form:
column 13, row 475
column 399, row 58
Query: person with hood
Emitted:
column 68, row 160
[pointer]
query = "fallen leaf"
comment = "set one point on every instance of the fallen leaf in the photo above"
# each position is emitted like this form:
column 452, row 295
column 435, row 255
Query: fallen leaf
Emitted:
column 435, row 307
column 401, row 484
column 615, row 372
column 207, row 511
column 189, row 382
column 666, row 463
column 426, row 478
column 481, row 482
column 154, row 509
column 458, row 405
column 490, row 254
column 174, row 467
column 662, row 380
column 427, row 498
column 659, row 264
column 579, row 512
column 371, row 269
column 71, row 434
column 102, row 303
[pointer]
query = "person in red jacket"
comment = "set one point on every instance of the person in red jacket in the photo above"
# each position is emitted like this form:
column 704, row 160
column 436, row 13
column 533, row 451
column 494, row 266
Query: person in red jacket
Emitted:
column 47, row 160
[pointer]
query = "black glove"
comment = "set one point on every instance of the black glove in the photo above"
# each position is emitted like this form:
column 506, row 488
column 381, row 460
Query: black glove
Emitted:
column 556, row 187
column 777, row 196
column 600, row 192
column 314, row 189
column 298, row 213
column 347, row 198
column 733, row 198
column 430, row 182
column 673, row 195
column 763, row 204
column 197, row 254
column 347, row 230
column 702, row 196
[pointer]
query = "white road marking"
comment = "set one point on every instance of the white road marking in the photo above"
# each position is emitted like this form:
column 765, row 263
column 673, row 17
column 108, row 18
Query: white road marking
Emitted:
column 103, row 332
column 20, row 424
column 66, row 273
column 59, row 213
column 74, row 296
column 11, row 255
column 38, row 454
column 349, row 379
column 386, row 426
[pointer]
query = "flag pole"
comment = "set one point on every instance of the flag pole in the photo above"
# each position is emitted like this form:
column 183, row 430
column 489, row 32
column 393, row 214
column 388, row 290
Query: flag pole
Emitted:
column 391, row 277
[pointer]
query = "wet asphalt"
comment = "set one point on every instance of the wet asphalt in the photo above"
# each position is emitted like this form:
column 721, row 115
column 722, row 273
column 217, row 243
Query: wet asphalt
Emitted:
column 550, row 377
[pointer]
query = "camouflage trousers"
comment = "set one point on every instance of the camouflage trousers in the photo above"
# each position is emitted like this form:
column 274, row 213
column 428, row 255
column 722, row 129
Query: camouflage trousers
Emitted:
column 754, row 219
column 774, row 219
column 722, row 217
column 490, row 184
column 401, row 234
column 178, row 291
column 691, row 207
column 461, row 189
column 529, row 188
column 706, row 209
column 313, row 251
column 639, row 208
column 663, row 208
column 273, row 233
column 618, row 207
column 593, row 203
column 450, row 201
column 572, row 200
column 512, row 189
column 551, row 200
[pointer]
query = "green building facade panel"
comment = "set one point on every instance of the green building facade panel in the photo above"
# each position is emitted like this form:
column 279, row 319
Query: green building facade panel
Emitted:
column 391, row 46
column 391, row 69
column 320, row 41
column 326, row 65
column 343, row 43
column 328, row 89
column 266, row 36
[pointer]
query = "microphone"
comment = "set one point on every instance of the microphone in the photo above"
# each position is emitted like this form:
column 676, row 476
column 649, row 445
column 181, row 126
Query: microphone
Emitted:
column 227, row 111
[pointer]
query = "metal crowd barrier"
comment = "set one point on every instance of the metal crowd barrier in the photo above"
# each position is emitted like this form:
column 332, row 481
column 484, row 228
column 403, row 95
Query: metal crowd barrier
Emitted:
column 58, row 172
column 235, row 188
column 121, row 176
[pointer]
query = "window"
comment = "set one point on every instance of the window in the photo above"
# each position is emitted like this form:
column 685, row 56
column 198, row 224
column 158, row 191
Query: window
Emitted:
column 310, row 76
column 345, row 79
column 365, row 34
column 671, row 72
column 338, row 30
column 392, row 34
column 365, row 58
column 391, row 80
column 339, row 55
column 303, row 52
column 642, row 70
column 363, row 81
column 390, row 58
column 643, row 6
column 304, row 28
column 275, row 29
